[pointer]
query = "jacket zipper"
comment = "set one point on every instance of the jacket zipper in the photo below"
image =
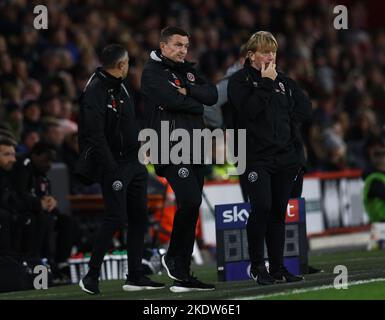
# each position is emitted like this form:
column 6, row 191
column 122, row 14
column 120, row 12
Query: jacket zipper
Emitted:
column 121, row 144
column 87, row 151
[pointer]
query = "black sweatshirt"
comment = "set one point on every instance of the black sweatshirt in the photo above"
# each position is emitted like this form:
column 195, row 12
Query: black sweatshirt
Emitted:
column 270, row 111
column 108, row 131
column 160, row 81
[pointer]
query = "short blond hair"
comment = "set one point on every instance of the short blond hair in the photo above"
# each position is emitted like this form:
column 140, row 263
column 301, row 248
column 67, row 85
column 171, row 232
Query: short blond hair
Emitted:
column 262, row 41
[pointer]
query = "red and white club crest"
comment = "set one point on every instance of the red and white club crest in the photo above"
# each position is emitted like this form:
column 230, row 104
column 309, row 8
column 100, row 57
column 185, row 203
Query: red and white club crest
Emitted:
column 190, row 77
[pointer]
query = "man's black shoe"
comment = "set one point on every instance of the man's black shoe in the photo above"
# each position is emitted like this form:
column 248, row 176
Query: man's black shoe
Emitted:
column 281, row 274
column 312, row 270
column 175, row 268
column 192, row 284
column 261, row 276
column 142, row 283
column 90, row 285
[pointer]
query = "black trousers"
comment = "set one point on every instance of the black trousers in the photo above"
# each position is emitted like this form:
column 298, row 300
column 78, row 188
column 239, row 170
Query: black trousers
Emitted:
column 5, row 236
column 128, row 204
column 269, row 189
column 187, row 184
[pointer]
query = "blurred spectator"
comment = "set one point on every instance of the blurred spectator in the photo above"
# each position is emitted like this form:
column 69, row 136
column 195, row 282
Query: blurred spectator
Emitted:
column 32, row 183
column 335, row 147
column 66, row 117
column 53, row 134
column 364, row 126
column 32, row 116
column 12, row 214
column 341, row 70
column 28, row 139
column 14, row 118
column 374, row 188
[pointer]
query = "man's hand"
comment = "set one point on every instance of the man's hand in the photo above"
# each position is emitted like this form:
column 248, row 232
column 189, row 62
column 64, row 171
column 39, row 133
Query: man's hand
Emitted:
column 182, row 91
column 269, row 72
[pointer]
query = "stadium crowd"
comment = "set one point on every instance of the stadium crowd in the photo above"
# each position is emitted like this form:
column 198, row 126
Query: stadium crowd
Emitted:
column 42, row 72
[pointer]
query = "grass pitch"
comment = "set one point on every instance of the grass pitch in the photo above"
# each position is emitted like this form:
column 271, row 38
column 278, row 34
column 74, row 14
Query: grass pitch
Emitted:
column 366, row 276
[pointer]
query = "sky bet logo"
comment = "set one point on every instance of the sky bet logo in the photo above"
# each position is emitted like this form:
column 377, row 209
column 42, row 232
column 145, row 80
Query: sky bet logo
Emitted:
column 232, row 215
column 235, row 215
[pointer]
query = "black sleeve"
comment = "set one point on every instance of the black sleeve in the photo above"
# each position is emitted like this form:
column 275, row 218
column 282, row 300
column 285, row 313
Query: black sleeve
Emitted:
column 302, row 104
column 377, row 190
column 93, row 112
column 5, row 215
column 155, row 86
column 247, row 98
column 203, row 91
column 22, row 178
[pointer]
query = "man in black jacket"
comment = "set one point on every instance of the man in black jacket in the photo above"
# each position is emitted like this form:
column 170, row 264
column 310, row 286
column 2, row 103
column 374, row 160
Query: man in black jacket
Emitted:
column 174, row 91
column 13, row 216
column 108, row 139
column 34, row 189
column 270, row 107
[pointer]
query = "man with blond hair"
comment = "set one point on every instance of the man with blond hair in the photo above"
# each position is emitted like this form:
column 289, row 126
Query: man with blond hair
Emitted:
column 270, row 106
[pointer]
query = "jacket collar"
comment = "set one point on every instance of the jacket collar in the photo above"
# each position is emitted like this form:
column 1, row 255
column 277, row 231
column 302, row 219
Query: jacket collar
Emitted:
column 256, row 72
column 108, row 79
column 157, row 56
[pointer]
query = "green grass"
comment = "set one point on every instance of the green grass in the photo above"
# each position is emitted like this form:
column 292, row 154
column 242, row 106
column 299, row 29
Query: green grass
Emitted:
column 361, row 265
column 367, row 291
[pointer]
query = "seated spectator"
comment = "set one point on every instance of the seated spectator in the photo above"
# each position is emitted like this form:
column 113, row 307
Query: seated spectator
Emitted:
column 32, row 116
column 14, row 118
column 66, row 117
column 53, row 134
column 12, row 215
column 335, row 147
column 52, row 230
column 28, row 139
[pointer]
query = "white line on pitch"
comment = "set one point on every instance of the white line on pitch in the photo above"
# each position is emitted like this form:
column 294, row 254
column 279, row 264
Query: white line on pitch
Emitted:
column 298, row 291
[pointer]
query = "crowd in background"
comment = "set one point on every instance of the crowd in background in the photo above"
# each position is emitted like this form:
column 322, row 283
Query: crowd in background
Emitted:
column 42, row 72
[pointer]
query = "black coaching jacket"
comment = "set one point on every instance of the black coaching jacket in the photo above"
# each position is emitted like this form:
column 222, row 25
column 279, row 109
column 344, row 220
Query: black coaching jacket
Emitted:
column 108, row 131
column 160, row 81
column 271, row 112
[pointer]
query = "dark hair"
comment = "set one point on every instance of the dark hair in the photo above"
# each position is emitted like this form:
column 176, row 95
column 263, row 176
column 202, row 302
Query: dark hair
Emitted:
column 6, row 141
column 111, row 55
column 30, row 103
column 42, row 147
column 27, row 132
column 168, row 32
column 48, row 124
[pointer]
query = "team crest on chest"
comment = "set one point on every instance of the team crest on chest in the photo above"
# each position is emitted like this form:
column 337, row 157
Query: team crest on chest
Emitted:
column 190, row 77
column 281, row 86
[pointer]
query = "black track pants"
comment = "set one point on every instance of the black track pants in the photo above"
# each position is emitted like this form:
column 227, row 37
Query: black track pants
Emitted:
column 129, row 204
column 269, row 192
column 187, row 184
